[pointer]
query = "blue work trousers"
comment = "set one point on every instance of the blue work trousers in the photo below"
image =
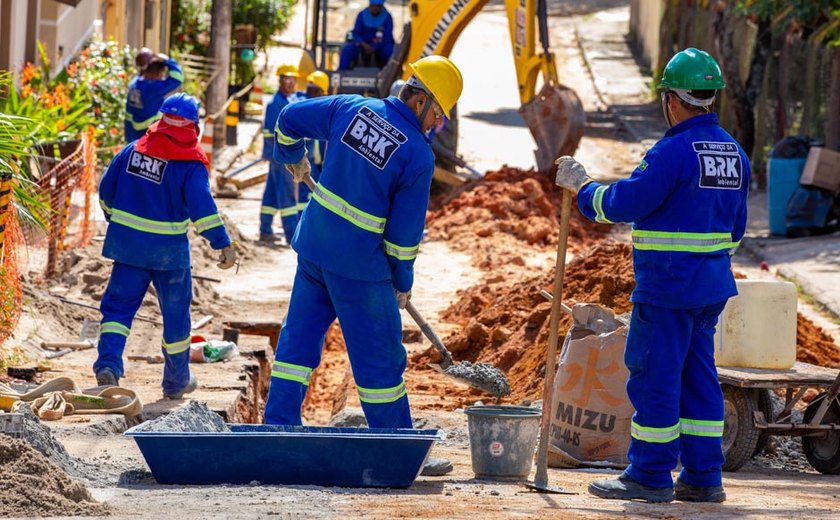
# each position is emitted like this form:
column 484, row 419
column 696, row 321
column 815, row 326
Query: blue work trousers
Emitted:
column 370, row 322
column 674, row 389
column 350, row 53
column 279, row 197
column 125, row 292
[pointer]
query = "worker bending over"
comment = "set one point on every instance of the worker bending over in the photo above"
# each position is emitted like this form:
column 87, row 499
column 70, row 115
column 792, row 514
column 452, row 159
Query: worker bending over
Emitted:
column 359, row 236
column 373, row 38
column 150, row 192
column 687, row 201
column 279, row 194
column 157, row 76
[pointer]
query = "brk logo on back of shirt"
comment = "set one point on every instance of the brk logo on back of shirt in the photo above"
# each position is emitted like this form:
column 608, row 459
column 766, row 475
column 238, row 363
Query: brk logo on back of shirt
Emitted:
column 372, row 137
column 720, row 165
column 146, row 166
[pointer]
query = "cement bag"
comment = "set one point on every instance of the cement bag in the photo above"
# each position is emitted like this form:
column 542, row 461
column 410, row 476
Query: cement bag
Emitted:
column 590, row 420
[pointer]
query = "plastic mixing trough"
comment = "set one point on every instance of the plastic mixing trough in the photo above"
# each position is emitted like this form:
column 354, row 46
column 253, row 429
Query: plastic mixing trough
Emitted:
column 292, row 455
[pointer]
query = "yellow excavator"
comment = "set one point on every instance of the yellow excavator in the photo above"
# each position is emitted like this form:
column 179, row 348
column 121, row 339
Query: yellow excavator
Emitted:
column 554, row 115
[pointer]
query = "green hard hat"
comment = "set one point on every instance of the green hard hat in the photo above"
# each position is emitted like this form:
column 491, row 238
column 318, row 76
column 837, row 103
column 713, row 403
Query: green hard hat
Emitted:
column 692, row 69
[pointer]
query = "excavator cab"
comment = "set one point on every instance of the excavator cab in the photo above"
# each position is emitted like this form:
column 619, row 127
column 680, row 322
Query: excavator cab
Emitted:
column 554, row 114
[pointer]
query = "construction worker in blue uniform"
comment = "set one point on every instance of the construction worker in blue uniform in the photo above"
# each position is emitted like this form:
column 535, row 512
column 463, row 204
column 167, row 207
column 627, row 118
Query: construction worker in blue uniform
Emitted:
column 158, row 76
column 373, row 38
column 359, row 236
column 318, row 84
column 279, row 194
column 150, row 193
column 687, row 201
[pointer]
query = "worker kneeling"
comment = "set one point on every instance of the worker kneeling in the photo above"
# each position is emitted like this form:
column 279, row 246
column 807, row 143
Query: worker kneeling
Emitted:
column 150, row 192
column 358, row 237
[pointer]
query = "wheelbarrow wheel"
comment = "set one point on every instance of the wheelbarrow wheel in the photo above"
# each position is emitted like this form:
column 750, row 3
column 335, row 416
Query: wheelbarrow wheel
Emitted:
column 765, row 405
column 740, row 436
column 823, row 450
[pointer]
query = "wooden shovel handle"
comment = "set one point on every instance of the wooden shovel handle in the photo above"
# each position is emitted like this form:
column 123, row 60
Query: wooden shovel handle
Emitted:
column 430, row 334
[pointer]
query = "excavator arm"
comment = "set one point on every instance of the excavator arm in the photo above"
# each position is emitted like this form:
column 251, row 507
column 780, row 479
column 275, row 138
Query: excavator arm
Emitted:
column 555, row 115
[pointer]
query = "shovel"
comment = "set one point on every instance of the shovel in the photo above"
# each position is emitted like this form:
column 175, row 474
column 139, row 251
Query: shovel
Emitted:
column 479, row 375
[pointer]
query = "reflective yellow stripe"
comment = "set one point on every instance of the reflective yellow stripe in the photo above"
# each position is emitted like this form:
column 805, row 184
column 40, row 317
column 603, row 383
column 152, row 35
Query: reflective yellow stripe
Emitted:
column 400, row 252
column 655, row 435
column 142, row 125
column 268, row 134
column 316, row 152
column 176, row 347
column 301, row 206
column 354, row 215
column 290, row 372
column 683, row 242
column 113, row 327
column 701, row 428
column 381, row 395
column 597, row 203
column 104, row 207
column 208, row 222
column 174, row 74
column 268, row 210
column 282, row 138
column 288, row 212
column 149, row 226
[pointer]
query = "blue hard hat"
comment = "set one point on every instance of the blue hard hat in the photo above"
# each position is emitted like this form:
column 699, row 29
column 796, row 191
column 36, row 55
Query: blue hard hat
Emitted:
column 377, row 2
column 181, row 105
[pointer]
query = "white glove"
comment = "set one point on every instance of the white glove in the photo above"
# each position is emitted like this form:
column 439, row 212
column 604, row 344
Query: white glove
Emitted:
column 300, row 169
column 402, row 298
column 571, row 175
column 227, row 257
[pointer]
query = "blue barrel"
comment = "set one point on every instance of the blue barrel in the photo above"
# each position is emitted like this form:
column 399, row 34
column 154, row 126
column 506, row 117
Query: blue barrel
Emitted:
column 782, row 180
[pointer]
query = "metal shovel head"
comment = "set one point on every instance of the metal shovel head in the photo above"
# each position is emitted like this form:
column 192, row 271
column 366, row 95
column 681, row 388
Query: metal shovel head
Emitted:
column 556, row 119
column 546, row 488
column 481, row 376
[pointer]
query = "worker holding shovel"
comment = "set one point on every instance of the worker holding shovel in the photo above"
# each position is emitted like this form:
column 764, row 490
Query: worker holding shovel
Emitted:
column 358, row 237
column 150, row 192
column 687, row 201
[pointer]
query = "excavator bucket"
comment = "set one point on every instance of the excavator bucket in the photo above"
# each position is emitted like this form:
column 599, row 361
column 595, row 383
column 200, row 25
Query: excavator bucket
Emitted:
column 556, row 119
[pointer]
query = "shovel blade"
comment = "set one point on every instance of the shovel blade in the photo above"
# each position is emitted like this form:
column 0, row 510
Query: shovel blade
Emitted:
column 556, row 119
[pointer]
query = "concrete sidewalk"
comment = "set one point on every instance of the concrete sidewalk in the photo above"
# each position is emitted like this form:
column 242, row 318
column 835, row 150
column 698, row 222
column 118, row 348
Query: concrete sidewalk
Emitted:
column 812, row 263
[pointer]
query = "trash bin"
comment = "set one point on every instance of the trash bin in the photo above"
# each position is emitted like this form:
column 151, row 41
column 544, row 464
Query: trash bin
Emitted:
column 785, row 165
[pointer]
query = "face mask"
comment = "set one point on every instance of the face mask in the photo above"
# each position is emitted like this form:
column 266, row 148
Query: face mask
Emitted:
column 666, row 111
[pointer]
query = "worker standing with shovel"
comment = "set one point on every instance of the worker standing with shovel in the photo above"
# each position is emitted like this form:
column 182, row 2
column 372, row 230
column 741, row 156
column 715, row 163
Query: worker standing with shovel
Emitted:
column 358, row 237
column 687, row 201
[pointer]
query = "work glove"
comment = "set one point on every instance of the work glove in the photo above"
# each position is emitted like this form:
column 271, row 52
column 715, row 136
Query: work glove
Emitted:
column 300, row 169
column 402, row 298
column 227, row 257
column 571, row 175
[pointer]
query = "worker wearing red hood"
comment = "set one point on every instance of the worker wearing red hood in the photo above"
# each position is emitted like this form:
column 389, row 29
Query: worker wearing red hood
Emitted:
column 150, row 193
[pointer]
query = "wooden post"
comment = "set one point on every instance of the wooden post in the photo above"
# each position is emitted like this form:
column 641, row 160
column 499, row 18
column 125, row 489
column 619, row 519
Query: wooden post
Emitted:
column 217, row 90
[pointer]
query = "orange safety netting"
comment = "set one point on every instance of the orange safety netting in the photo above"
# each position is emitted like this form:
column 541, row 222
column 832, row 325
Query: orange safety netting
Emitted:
column 11, row 241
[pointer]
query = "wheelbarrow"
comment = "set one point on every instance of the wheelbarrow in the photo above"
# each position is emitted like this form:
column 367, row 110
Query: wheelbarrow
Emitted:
column 749, row 420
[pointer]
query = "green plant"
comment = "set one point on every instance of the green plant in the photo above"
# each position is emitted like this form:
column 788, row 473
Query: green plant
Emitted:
column 268, row 17
column 190, row 32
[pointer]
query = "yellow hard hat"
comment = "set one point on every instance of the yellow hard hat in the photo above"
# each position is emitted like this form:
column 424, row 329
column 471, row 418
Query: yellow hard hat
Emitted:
column 320, row 80
column 287, row 69
column 442, row 79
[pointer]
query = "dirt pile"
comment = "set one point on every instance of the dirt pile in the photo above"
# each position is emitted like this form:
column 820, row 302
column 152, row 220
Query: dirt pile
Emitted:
column 194, row 416
column 814, row 345
column 492, row 217
column 32, row 486
column 506, row 324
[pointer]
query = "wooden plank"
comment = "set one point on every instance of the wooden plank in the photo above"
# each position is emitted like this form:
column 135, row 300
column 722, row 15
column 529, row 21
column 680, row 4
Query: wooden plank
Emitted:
column 448, row 177
column 801, row 374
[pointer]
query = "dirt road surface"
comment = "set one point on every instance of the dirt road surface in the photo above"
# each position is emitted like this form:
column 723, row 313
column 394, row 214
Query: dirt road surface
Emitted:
column 492, row 135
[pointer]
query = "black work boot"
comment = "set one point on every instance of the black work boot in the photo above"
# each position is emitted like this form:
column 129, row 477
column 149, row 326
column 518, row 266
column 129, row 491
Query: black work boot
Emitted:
column 107, row 377
column 689, row 493
column 622, row 488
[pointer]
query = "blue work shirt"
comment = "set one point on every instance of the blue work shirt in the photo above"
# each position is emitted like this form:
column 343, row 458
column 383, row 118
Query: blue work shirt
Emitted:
column 366, row 217
column 272, row 110
column 377, row 31
column 149, row 203
column 687, row 201
column 145, row 97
